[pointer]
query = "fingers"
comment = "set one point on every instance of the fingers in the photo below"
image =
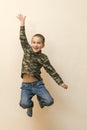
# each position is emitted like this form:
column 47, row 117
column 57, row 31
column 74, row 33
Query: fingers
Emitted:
column 65, row 86
column 21, row 17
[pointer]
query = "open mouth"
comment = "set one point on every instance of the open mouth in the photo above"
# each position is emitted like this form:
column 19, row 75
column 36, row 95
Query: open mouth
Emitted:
column 35, row 49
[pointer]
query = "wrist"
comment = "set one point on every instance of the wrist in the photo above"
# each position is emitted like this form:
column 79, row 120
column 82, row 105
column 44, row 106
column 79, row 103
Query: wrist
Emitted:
column 22, row 23
column 62, row 84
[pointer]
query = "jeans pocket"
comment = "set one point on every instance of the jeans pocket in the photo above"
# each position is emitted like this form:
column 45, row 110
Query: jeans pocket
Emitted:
column 23, row 86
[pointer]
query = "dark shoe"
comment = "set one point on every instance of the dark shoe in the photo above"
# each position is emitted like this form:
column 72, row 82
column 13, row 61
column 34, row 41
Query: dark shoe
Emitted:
column 29, row 111
column 41, row 105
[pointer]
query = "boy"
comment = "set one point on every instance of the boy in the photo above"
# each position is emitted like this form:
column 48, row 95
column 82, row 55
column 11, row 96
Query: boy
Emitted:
column 33, row 61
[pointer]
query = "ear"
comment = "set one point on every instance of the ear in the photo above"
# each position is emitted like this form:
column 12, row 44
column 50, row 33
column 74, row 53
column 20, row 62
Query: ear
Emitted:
column 43, row 45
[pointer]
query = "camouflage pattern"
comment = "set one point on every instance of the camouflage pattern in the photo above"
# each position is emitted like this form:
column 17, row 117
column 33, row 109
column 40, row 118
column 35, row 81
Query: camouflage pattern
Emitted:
column 33, row 61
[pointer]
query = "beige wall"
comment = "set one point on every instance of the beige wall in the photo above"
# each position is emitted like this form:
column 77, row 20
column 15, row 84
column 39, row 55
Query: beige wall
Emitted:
column 64, row 24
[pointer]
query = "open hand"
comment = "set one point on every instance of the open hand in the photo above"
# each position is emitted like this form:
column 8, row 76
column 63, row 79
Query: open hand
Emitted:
column 21, row 18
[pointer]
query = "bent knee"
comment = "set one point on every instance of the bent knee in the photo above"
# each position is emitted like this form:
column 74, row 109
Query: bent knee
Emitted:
column 25, row 105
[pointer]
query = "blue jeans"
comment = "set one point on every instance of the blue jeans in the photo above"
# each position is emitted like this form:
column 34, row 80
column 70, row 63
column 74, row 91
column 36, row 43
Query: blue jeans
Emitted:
column 28, row 90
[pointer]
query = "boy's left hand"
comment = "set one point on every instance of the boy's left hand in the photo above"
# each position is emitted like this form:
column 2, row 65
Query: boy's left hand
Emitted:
column 65, row 86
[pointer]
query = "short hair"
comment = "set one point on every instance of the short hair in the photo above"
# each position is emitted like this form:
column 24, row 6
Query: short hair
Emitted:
column 41, row 36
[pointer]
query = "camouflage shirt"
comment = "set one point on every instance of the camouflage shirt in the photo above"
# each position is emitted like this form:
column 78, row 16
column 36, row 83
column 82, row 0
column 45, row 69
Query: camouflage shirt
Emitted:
column 33, row 61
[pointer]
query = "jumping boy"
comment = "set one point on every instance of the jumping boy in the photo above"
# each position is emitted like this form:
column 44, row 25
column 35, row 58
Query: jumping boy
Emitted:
column 33, row 61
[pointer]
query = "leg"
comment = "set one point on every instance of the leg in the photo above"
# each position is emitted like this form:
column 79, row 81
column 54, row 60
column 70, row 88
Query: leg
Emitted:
column 26, row 96
column 26, row 101
column 43, row 96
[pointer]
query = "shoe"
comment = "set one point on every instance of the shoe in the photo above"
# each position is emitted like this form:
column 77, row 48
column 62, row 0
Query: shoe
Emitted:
column 29, row 111
column 41, row 105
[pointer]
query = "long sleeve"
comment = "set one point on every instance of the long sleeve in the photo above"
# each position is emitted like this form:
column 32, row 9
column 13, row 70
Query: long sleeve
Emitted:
column 52, row 72
column 23, row 39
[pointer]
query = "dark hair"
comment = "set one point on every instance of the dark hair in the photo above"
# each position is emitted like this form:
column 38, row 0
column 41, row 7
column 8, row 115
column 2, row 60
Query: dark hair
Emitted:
column 41, row 36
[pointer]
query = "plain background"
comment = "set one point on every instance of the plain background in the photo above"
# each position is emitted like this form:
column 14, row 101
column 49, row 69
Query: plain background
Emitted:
column 64, row 25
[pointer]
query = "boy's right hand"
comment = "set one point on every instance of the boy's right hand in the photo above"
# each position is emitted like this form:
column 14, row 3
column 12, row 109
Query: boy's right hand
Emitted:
column 21, row 19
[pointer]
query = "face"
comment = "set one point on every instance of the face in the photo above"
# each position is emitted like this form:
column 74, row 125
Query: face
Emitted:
column 36, row 44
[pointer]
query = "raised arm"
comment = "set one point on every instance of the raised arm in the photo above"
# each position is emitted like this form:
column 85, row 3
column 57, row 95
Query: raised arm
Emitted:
column 52, row 72
column 23, row 38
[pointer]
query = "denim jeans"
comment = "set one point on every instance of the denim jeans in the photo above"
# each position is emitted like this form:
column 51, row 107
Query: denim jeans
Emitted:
column 28, row 90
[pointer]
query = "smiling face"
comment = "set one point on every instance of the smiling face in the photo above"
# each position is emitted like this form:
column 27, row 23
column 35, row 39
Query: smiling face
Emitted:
column 37, row 43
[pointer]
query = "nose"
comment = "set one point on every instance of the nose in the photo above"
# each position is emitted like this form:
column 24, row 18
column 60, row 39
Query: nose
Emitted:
column 36, row 44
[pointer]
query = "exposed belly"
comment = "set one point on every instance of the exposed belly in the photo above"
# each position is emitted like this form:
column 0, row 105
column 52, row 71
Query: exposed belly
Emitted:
column 29, row 78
